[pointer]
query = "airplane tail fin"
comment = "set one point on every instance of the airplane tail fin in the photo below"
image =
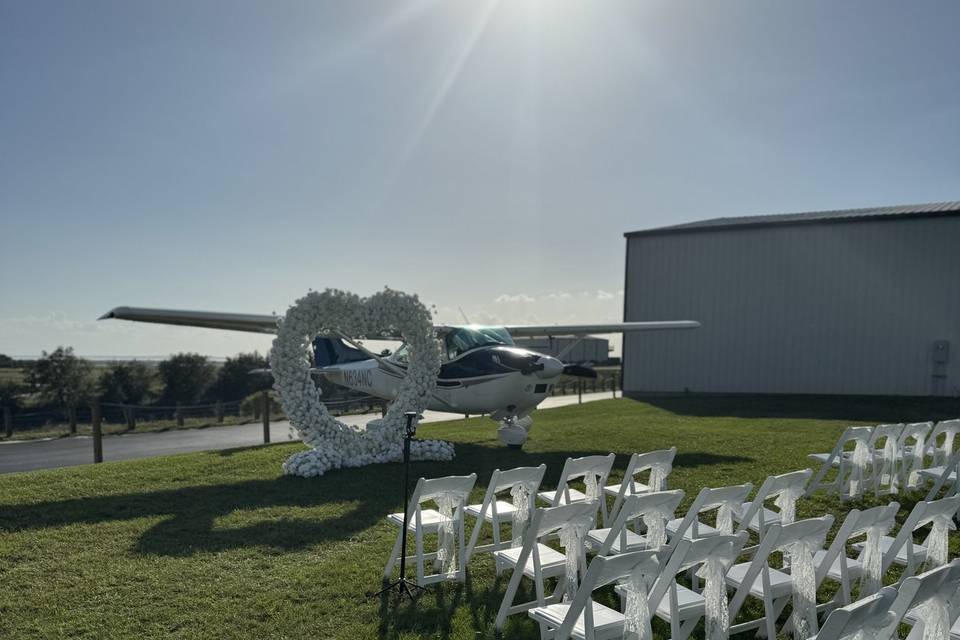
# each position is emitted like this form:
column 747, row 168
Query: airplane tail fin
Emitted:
column 330, row 351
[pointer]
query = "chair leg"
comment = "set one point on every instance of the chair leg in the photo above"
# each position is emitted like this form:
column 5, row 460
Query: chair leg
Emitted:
column 394, row 556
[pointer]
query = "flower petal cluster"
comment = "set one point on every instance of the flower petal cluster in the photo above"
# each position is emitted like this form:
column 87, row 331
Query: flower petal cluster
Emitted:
column 332, row 443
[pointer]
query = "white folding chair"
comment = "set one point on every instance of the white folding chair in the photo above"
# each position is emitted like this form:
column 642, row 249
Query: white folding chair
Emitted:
column 853, row 467
column 539, row 562
column 775, row 587
column 583, row 618
column 913, row 449
column 867, row 567
column 932, row 552
column 654, row 509
column 864, row 618
column 593, row 470
column 928, row 602
column 681, row 607
column 724, row 500
column 658, row 463
column 450, row 495
column 522, row 483
column 885, row 451
column 943, row 449
column 944, row 475
column 784, row 490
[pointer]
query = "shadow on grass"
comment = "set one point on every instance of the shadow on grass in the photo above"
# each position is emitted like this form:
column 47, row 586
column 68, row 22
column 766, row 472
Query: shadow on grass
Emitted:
column 361, row 497
column 874, row 409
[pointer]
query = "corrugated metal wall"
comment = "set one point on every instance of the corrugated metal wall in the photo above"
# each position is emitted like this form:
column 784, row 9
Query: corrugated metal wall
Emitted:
column 836, row 308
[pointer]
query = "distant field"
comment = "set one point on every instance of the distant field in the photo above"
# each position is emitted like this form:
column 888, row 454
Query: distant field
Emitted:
column 12, row 375
column 221, row 545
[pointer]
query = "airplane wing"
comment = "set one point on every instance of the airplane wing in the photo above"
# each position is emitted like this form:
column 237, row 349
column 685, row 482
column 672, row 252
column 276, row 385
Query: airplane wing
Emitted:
column 206, row 319
column 268, row 323
column 549, row 330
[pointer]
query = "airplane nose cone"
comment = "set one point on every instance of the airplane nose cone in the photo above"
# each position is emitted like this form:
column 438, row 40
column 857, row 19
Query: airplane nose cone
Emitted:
column 551, row 367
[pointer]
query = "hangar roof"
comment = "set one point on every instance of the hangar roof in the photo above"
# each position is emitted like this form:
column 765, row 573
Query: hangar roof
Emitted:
column 842, row 215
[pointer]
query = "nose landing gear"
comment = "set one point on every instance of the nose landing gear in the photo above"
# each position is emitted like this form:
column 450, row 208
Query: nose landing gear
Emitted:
column 513, row 431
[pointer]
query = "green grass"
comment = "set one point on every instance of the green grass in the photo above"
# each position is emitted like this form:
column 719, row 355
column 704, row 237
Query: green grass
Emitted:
column 221, row 545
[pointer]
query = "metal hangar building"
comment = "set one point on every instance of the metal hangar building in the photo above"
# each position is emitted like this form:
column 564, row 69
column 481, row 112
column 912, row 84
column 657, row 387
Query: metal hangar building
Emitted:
column 859, row 301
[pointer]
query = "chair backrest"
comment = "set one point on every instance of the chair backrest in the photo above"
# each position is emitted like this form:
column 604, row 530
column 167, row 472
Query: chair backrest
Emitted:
column 602, row 571
column 916, row 431
column 947, row 429
column 923, row 513
column 690, row 554
column 872, row 612
column 505, row 480
column 772, row 488
column 708, row 499
column 638, row 506
column 914, row 434
column 575, row 468
column 884, row 432
column 915, row 591
column 460, row 486
column 640, row 462
column 549, row 520
column 856, row 524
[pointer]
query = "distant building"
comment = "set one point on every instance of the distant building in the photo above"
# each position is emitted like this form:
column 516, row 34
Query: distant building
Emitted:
column 860, row 301
column 589, row 350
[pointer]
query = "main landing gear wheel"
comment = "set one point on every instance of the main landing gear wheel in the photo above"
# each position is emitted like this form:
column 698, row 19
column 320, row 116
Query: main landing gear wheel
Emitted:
column 513, row 431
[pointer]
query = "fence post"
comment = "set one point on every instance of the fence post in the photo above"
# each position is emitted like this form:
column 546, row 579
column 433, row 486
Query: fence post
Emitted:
column 265, row 412
column 613, row 385
column 131, row 415
column 579, row 390
column 8, row 421
column 178, row 413
column 97, row 434
column 72, row 419
column 218, row 408
column 256, row 411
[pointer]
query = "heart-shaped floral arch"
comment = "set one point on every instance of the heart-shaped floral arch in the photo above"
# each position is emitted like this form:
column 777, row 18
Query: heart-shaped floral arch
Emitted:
column 335, row 444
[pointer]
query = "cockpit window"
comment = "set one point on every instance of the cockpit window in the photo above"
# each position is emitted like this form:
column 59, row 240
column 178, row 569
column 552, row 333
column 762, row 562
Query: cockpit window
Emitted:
column 462, row 339
column 459, row 340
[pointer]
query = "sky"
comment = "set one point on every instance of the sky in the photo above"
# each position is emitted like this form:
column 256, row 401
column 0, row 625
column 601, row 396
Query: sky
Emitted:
column 489, row 156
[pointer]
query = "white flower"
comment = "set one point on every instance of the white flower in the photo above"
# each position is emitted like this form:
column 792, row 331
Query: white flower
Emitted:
column 334, row 443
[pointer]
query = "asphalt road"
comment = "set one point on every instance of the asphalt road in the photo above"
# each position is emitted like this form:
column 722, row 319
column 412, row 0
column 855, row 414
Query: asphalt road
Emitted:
column 28, row 455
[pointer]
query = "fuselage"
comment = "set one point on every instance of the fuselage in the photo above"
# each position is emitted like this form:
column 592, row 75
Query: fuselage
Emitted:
column 481, row 372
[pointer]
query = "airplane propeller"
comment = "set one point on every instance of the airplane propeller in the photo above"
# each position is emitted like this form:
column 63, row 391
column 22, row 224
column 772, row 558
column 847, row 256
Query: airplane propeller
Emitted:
column 579, row 370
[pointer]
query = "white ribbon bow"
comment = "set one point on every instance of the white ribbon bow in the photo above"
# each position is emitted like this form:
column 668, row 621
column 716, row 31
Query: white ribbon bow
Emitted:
column 860, row 459
column 935, row 615
column 520, row 492
column 916, row 463
column 888, row 465
column 787, row 503
column 593, row 487
column 717, row 615
column 658, row 476
column 636, row 614
column 571, row 539
column 938, row 540
column 872, row 561
column 725, row 517
column 804, row 576
column 446, row 561
column 655, row 520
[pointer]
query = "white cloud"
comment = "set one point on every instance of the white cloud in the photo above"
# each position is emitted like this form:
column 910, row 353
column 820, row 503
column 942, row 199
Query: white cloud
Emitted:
column 507, row 298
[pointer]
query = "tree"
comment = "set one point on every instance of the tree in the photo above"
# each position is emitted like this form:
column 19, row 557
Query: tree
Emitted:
column 186, row 377
column 10, row 393
column 6, row 362
column 62, row 377
column 127, row 382
column 234, row 380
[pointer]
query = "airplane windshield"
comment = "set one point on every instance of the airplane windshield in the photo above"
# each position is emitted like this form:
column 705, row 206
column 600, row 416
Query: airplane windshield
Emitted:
column 459, row 340
column 462, row 339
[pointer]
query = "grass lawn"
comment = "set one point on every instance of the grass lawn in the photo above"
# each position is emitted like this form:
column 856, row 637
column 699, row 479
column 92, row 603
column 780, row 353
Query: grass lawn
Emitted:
column 221, row 545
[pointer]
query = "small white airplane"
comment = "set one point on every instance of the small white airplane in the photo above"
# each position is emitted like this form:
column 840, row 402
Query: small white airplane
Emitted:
column 482, row 371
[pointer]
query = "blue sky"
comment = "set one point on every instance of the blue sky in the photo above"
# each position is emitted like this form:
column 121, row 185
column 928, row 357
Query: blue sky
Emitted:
column 487, row 155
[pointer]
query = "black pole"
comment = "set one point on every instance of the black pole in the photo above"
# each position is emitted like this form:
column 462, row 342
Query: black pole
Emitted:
column 401, row 586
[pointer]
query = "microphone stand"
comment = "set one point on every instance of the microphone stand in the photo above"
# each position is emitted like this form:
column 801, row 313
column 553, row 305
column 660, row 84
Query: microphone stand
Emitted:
column 401, row 586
